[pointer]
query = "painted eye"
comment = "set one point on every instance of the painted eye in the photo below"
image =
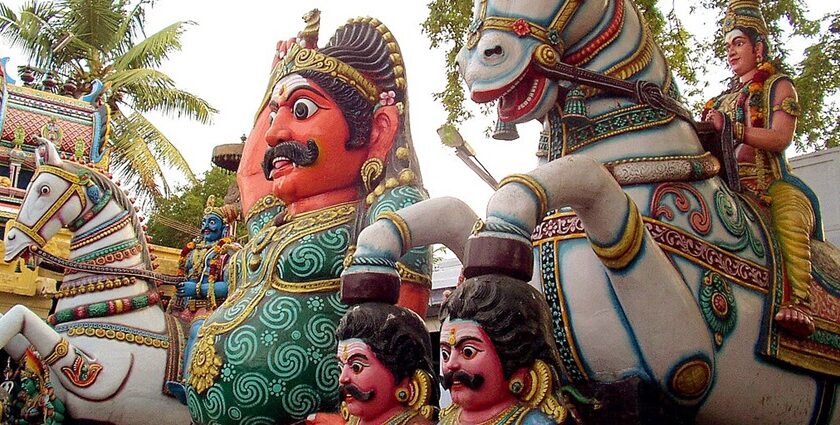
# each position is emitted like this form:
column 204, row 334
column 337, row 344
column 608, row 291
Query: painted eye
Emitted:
column 357, row 367
column 304, row 108
column 469, row 352
column 271, row 117
column 45, row 190
column 444, row 354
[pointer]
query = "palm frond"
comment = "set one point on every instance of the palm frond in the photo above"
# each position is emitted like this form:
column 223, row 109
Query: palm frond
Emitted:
column 30, row 30
column 95, row 22
column 165, row 151
column 133, row 161
column 132, row 26
column 151, row 52
column 171, row 101
column 137, row 77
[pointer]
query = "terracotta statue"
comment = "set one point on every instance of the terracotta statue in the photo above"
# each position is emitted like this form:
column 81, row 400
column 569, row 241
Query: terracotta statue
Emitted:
column 340, row 155
column 497, row 351
column 203, row 262
column 762, row 105
column 387, row 375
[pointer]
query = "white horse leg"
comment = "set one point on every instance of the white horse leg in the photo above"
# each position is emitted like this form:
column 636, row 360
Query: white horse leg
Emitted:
column 20, row 328
column 21, row 320
column 651, row 292
column 17, row 347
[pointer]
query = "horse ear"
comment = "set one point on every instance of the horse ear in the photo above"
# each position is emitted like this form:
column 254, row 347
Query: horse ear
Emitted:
column 46, row 153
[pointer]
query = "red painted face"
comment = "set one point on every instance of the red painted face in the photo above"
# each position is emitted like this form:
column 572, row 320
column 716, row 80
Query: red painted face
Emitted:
column 372, row 381
column 741, row 53
column 301, row 111
column 465, row 347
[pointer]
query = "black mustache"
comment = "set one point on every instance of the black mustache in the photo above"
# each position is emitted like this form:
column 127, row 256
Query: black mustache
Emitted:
column 471, row 381
column 355, row 392
column 296, row 152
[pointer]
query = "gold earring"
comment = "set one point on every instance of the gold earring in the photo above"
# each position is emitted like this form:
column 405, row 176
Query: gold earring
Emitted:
column 402, row 395
column 371, row 172
column 516, row 386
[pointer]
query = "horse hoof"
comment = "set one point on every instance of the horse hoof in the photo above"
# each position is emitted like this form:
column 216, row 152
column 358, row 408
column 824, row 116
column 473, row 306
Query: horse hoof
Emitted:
column 796, row 321
column 493, row 255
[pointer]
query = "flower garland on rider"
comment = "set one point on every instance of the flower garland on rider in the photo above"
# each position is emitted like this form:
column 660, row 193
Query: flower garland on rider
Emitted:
column 215, row 266
column 752, row 91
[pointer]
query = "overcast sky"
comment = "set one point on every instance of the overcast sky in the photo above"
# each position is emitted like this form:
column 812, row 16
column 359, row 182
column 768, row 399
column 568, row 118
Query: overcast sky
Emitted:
column 226, row 58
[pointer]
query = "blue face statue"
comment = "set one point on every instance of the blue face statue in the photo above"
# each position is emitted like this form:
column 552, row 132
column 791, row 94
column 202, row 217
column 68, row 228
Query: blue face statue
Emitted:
column 212, row 228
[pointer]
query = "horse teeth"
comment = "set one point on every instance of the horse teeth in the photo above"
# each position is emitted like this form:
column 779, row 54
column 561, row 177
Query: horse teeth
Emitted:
column 513, row 86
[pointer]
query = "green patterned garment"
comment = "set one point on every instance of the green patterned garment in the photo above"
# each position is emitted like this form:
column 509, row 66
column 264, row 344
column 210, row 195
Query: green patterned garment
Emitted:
column 267, row 355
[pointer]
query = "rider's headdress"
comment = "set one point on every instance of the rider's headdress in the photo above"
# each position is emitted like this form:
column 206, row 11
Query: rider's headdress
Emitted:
column 745, row 14
column 32, row 367
column 211, row 208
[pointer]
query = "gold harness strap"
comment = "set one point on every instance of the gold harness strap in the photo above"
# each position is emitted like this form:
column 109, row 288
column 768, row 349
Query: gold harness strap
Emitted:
column 550, row 35
column 76, row 188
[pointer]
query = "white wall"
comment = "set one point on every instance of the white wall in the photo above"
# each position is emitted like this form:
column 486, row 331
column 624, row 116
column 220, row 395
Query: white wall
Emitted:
column 821, row 171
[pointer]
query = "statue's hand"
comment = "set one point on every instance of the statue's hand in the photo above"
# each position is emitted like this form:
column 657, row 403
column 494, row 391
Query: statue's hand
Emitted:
column 230, row 248
column 186, row 289
column 716, row 118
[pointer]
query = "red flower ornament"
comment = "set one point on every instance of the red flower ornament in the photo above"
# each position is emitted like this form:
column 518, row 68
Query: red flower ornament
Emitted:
column 520, row 27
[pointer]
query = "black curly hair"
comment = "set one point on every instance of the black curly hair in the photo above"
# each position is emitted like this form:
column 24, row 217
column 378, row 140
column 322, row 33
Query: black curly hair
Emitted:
column 396, row 335
column 513, row 314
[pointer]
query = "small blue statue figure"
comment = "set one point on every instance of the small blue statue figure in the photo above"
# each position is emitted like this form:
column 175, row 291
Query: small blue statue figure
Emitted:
column 202, row 263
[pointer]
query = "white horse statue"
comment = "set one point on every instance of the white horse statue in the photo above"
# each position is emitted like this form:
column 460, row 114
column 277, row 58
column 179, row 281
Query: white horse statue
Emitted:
column 109, row 345
column 656, row 271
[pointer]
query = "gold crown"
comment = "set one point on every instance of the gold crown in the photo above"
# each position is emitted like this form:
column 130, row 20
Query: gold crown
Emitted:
column 211, row 208
column 299, row 59
column 744, row 14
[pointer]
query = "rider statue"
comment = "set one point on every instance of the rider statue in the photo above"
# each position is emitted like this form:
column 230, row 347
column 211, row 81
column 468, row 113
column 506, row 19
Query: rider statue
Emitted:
column 497, row 353
column 35, row 402
column 387, row 375
column 761, row 103
column 339, row 155
column 202, row 263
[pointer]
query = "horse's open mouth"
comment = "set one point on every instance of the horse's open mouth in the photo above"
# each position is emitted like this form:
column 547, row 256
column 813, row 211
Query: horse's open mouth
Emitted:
column 518, row 98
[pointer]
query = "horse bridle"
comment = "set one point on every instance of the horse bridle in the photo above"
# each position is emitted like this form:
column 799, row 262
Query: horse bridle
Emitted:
column 78, row 185
column 522, row 27
column 548, row 58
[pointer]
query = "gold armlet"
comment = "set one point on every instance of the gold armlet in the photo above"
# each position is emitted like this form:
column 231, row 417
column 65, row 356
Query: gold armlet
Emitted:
column 620, row 254
column 401, row 225
column 59, row 351
column 789, row 106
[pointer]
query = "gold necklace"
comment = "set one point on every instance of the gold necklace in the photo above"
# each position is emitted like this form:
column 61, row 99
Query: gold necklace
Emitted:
column 510, row 416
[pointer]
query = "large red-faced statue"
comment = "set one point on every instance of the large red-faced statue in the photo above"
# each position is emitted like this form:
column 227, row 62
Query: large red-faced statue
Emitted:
column 335, row 149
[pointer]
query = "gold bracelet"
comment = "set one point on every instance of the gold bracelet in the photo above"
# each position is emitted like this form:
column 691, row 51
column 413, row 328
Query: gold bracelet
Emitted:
column 401, row 225
column 533, row 185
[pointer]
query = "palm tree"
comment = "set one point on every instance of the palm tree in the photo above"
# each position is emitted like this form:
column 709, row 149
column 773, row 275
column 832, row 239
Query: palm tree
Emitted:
column 84, row 40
